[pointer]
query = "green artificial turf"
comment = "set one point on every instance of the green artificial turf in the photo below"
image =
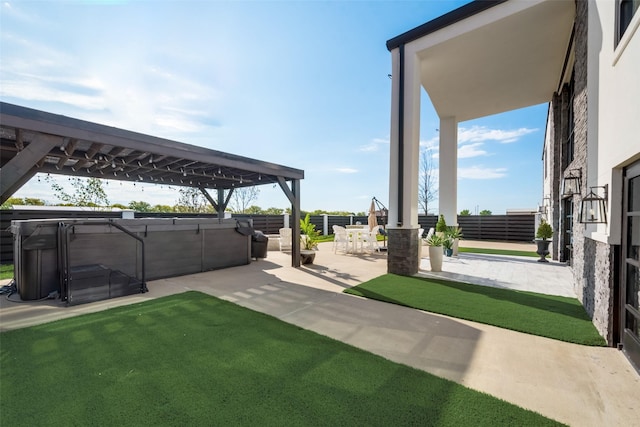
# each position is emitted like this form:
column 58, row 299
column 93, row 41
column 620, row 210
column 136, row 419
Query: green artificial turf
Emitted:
column 549, row 316
column 327, row 238
column 192, row 359
column 498, row 252
column 6, row 271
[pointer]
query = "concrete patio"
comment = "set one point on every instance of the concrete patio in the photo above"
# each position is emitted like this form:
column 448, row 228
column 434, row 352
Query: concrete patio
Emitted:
column 577, row 385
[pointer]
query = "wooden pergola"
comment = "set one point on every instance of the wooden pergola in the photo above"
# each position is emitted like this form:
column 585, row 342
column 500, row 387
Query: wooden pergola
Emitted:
column 33, row 141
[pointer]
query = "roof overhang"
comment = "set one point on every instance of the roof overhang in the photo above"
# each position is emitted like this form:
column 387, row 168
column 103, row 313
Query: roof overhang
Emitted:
column 36, row 141
column 488, row 57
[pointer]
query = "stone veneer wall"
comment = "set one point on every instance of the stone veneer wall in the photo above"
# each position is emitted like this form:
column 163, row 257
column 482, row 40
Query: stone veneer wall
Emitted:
column 594, row 286
column 403, row 247
column 591, row 260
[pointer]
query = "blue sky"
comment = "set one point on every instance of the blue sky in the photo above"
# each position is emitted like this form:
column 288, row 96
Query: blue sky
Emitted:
column 300, row 83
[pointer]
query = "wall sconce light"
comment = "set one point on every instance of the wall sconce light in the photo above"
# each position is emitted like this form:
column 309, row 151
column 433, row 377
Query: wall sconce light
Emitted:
column 593, row 208
column 571, row 183
column 545, row 205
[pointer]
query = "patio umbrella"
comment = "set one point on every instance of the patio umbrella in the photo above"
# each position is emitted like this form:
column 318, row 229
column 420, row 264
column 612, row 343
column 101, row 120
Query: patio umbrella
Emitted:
column 372, row 221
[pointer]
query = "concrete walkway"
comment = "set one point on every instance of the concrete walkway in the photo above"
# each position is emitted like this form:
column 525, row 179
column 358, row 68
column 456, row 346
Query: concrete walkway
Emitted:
column 577, row 385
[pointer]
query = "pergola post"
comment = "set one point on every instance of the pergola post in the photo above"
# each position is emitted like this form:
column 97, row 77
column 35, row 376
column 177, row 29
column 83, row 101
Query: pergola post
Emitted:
column 293, row 194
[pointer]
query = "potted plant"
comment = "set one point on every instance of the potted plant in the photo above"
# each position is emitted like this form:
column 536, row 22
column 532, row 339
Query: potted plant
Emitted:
column 455, row 234
column 435, row 252
column 441, row 225
column 544, row 232
column 447, row 245
column 308, row 240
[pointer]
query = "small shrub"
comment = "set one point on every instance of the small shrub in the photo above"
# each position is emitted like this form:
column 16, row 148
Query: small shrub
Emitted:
column 441, row 225
column 309, row 229
column 435, row 240
column 544, row 230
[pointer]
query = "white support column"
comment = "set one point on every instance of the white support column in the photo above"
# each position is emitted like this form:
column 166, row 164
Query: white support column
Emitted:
column 325, row 224
column 405, row 154
column 403, row 248
column 394, row 175
column 448, row 166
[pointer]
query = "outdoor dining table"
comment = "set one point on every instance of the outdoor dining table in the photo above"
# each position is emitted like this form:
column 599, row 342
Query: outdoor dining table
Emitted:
column 354, row 233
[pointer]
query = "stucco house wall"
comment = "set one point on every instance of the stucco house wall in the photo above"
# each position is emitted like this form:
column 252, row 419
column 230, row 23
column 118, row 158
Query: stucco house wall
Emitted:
column 606, row 111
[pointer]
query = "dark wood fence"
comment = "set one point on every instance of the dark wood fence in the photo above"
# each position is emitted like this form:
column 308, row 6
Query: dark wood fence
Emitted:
column 514, row 228
column 517, row 228
column 510, row 228
column 268, row 224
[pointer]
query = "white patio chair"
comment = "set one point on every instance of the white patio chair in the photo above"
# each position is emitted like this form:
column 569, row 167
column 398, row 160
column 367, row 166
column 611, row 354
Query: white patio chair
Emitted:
column 429, row 233
column 340, row 239
column 285, row 239
column 371, row 239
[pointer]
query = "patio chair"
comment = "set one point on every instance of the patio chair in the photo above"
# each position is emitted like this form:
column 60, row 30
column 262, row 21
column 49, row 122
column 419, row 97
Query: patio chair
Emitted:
column 340, row 239
column 285, row 239
column 371, row 239
column 429, row 233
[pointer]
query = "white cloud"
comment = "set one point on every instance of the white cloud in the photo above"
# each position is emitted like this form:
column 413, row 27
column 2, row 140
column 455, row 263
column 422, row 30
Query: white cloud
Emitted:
column 368, row 148
column 347, row 170
column 471, row 150
column 479, row 172
column 15, row 13
column 471, row 139
column 36, row 90
column 430, row 143
column 483, row 133
column 374, row 145
column 122, row 87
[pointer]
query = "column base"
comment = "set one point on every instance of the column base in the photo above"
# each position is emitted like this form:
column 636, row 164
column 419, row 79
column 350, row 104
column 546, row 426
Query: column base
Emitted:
column 403, row 251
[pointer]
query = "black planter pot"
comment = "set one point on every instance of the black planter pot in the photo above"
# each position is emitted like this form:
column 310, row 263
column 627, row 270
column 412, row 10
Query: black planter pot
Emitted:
column 307, row 256
column 543, row 249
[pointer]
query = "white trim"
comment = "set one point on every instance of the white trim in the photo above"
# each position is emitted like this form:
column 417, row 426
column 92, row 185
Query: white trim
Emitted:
column 626, row 37
column 479, row 20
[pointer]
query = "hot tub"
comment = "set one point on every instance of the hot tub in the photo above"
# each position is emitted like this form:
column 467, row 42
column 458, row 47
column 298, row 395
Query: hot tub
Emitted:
column 50, row 254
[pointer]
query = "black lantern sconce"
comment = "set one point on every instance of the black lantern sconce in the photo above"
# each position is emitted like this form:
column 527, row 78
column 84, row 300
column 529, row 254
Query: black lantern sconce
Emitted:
column 571, row 183
column 593, row 208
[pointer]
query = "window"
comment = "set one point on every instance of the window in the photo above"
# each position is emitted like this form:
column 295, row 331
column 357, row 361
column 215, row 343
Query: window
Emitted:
column 625, row 11
column 567, row 225
column 568, row 137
